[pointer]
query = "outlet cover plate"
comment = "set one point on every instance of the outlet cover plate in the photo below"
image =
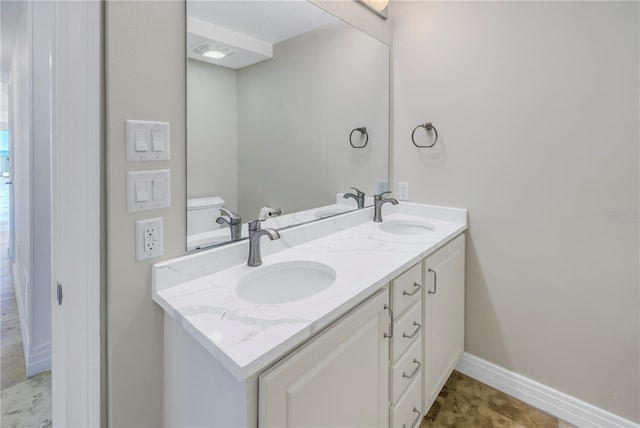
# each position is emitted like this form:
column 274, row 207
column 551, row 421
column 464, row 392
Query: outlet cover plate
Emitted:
column 383, row 186
column 149, row 240
column 403, row 191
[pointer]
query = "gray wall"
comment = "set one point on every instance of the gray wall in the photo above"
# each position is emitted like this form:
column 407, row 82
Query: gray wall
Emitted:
column 212, row 122
column 145, row 73
column 295, row 113
column 537, row 107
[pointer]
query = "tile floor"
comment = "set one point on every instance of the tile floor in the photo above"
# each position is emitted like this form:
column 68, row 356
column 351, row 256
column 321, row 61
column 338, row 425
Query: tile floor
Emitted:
column 465, row 402
column 23, row 402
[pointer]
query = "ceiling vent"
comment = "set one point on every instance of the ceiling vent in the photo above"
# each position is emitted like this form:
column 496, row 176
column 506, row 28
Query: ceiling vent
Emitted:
column 211, row 50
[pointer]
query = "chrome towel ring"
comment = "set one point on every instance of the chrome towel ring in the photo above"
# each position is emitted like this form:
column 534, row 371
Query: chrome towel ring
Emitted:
column 428, row 127
column 363, row 131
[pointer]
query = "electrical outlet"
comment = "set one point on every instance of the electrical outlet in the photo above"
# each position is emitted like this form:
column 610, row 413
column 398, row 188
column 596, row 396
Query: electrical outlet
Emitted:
column 148, row 238
column 383, row 186
column 403, row 191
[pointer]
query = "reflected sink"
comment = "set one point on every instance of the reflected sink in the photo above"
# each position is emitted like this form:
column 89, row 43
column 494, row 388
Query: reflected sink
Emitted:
column 406, row 227
column 285, row 282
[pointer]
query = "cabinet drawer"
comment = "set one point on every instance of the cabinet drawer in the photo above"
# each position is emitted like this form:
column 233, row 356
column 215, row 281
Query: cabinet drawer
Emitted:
column 407, row 330
column 406, row 412
column 407, row 289
column 405, row 370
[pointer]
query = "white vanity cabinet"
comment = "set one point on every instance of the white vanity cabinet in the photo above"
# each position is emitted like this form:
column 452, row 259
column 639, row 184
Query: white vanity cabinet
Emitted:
column 443, row 307
column 372, row 350
column 338, row 379
column 334, row 380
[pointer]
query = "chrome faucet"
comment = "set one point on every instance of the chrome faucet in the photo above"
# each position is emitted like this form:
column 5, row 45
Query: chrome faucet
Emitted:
column 378, row 202
column 234, row 222
column 359, row 197
column 255, row 233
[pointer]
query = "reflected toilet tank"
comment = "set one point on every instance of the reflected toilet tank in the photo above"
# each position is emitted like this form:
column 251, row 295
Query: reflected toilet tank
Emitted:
column 202, row 214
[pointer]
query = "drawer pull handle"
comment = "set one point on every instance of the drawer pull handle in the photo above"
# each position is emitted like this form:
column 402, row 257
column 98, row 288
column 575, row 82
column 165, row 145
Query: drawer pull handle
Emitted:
column 415, row 422
column 435, row 282
column 417, row 288
column 412, row 335
column 390, row 334
column 415, row 371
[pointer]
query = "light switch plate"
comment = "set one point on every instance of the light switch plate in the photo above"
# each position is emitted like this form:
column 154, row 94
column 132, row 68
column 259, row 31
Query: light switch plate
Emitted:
column 148, row 238
column 383, row 186
column 155, row 194
column 152, row 140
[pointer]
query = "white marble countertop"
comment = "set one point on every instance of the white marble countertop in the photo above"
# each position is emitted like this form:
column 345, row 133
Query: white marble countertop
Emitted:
column 247, row 337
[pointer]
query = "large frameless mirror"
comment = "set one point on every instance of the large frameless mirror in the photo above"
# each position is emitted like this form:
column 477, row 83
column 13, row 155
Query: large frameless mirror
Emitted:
column 287, row 107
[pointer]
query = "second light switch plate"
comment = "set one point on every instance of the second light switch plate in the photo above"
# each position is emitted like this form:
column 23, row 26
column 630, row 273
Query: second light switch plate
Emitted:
column 148, row 190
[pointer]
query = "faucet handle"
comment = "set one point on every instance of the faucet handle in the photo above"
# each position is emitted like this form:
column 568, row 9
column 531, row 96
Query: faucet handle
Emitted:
column 229, row 213
column 255, row 224
column 378, row 197
column 360, row 193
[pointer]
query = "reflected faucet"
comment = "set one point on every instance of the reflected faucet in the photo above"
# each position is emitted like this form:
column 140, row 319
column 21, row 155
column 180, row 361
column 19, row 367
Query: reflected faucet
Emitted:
column 255, row 233
column 378, row 202
column 234, row 222
column 359, row 197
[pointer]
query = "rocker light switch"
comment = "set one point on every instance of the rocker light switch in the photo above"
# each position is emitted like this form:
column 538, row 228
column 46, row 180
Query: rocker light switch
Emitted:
column 158, row 189
column 142, row 194
column 141, row 140
column 157, row 138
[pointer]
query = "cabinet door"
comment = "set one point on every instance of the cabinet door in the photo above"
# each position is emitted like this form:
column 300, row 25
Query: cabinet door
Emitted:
column 443, row 316
column 338, row 379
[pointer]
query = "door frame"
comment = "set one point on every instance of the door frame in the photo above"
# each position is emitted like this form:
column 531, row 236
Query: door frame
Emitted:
column 76, row 131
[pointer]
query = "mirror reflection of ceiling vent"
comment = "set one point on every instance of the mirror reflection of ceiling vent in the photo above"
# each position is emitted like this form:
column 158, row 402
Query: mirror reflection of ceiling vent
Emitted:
column 211, row 50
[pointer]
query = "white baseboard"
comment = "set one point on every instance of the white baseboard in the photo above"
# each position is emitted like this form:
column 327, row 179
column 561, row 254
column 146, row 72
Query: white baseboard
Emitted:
column 39, row 360
column 556, row 403
column 36, row 360
column 22, row 316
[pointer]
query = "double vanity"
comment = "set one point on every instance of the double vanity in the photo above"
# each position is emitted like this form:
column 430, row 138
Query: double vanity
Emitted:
column 347, row 322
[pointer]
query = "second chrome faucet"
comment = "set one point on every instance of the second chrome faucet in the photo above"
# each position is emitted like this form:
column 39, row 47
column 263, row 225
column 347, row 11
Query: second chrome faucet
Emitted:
column 378, row 202
column 255, row 233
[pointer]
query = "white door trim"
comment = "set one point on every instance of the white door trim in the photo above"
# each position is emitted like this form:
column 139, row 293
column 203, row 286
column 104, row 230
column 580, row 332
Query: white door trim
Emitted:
column 76, row 147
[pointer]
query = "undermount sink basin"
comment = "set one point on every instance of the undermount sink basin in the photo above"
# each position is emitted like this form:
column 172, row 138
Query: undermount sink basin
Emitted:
column 406, row 227
column 285, row 282
column 331, row 212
